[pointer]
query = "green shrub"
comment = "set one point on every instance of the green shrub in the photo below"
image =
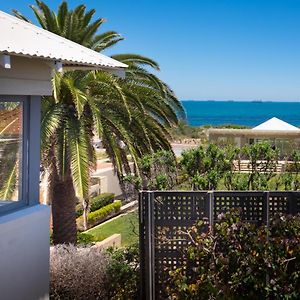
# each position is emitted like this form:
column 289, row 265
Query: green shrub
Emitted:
column 123, row 273
column 85, row 239
column 96, row 203
column 239, row 260
column 100, row 215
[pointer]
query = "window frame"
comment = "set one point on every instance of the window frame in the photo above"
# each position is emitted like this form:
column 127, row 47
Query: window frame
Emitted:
column 29, row 192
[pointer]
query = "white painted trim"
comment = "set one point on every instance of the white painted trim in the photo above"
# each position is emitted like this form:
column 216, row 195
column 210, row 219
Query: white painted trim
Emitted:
column 119, row 72
column 54, row 65
column 58, row 66
column 5, row 61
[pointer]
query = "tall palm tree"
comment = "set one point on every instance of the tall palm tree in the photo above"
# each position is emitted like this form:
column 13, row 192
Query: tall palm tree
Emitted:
column 136, row 111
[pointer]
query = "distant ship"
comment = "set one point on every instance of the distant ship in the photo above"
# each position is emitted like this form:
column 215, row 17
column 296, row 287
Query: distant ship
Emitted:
column 257, row 101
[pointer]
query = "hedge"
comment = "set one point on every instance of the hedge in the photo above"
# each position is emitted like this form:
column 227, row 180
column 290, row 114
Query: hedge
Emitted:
column 100, row 215
column 96, row 203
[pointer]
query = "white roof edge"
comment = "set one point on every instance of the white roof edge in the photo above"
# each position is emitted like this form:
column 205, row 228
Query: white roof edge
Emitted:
column 275, row 124
column 19, row 37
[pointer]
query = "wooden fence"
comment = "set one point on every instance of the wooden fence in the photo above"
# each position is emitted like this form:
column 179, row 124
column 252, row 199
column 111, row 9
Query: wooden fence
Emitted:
column 165, row 216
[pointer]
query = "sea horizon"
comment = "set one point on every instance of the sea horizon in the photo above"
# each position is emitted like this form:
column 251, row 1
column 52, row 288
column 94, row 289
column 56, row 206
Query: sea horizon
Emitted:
column 240, row 112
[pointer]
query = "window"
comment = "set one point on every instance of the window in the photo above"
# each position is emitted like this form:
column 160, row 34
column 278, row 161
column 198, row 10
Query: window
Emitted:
column 11, row 151
column 19, row 151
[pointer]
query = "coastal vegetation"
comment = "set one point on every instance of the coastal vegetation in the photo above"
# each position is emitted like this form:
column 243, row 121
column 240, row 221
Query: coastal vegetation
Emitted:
column 211, row 167
column 184, row 131
column 131, row 115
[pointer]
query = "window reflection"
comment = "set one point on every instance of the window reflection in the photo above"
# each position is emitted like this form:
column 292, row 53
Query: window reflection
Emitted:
column 10, row 151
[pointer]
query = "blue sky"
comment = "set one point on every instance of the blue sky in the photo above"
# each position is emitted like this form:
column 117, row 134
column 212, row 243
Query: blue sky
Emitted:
column 209, row 49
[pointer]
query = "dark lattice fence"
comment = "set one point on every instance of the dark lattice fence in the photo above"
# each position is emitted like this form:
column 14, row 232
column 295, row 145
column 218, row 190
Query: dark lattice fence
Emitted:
column 166, row 216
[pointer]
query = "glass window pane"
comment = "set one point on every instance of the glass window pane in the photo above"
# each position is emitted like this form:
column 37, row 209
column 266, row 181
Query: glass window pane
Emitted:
column 11, row 136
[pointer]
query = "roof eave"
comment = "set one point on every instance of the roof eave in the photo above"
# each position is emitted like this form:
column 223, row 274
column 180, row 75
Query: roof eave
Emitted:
column 118, row 71
column 59, row 65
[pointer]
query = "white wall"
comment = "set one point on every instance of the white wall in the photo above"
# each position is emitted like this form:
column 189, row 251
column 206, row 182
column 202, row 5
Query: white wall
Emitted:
column 27, row 76
column 24, row 254
column 112, row 181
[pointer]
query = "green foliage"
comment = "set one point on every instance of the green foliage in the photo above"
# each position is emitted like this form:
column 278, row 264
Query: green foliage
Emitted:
column 131, row 184
column 161, row 181
column 96, row 203
column 238, row 260
column 105, row 211
column 214, row 167
column 123, row 273
column 131, row 115
column 237, row 181
column 184, row 131
column 127, row 225
column 85, row 239
column 102, row 214
column 227, row 126
column 101, row 200
column 158, row 170
column 206, row 166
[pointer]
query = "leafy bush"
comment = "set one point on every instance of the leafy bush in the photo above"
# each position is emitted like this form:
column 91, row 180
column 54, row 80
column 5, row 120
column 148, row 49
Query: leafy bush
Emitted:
column 238, row 260
column 100, row 215
column 123, row 273
column 86, row 239
column 96, row 203
column 158, row 170
column 82, row 239
column 205, row 166
column 78, row 273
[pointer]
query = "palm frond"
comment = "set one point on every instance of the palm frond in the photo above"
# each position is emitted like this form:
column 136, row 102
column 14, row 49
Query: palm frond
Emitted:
column 19, row 15
column 136, row 60
column 79, row 157
column 52, row 116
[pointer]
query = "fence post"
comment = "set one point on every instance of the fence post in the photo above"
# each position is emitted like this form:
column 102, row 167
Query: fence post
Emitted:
column 142, row 244
column 292, row 204
column 209, row 207
column 266, row 208
column 149, row 248
column 266, row 220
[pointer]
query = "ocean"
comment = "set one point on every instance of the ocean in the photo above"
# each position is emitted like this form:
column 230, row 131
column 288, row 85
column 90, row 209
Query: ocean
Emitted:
column 240, row 112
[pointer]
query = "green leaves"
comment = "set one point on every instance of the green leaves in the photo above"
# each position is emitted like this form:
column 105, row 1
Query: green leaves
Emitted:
column 52, row 116
column 78, row 96
column 78, row 144
column 131, row 116
column 135, row 60
column 205, row 166
column 105, row 40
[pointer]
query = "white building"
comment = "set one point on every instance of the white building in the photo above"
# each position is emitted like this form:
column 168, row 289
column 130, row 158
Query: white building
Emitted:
column 281, row 134
column 28, row 57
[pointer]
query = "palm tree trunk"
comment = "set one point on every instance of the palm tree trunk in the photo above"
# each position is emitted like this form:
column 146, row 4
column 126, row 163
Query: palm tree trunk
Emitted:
column 63, row 210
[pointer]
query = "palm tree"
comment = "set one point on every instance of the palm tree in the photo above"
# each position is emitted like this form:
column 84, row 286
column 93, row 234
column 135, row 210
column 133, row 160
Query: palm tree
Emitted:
column 137, row 110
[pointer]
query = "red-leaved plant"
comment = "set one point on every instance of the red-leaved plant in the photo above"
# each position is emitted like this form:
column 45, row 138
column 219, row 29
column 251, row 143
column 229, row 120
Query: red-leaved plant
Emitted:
column 239, row 260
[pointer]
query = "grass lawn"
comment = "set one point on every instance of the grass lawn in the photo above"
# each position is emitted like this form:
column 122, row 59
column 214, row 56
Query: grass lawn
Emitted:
column 126, row 225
